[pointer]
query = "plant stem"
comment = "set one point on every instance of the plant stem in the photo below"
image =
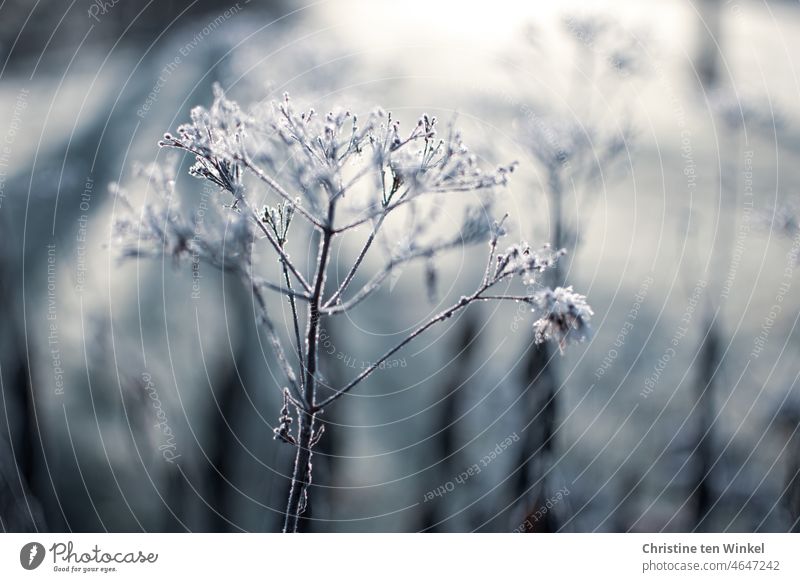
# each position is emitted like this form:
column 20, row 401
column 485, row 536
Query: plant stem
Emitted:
column 281, row 192
column 301, row 475
column 295, row 320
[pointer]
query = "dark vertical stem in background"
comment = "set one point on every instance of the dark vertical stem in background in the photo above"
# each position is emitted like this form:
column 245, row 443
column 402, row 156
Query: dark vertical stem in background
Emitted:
column 19, row 507
column 792, row 496
column 557, row 218
column 541, row 411
column 709, row 29
column 540, row 381
column 224, row 417
column 20, row 510
column 708, row 362
column 447, row 443
column 176, row 499
column 29, row 433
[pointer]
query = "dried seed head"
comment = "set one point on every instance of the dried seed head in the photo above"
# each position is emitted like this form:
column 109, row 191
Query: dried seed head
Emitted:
column 565, row 318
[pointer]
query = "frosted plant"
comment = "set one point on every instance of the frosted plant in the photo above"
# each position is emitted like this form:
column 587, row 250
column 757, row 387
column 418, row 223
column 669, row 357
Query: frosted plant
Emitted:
column 566, row 316
column 576, row 149
column 618, row 48
column 572, row 155
column 334, row 173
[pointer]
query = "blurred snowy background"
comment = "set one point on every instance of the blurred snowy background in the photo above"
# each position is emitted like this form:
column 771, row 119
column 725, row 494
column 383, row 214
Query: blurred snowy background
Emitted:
column 678, row 207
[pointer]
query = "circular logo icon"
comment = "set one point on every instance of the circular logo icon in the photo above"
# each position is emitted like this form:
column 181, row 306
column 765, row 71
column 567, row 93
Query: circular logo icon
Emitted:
column 31, row 555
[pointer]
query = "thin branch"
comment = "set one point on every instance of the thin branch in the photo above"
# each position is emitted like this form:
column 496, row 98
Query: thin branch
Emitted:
column 287, row 291
column 352, row 273
column 345, row 188
column 375, row 283
column 375, row 214
column 377, row 280
column 295, row 318
column 493, row 247
column 500, row 275
column 276, row 245
column 522, row 298
column 279, row 249
column 277, row 188
column 404, row 199
column 446, row 314
column 367, row 290
column 274, row 339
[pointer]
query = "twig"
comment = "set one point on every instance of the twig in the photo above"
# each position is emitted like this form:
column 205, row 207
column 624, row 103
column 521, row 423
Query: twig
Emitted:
column 352, row 273
column 273, row 336
column 269, row 181
column 287, row 291
column 282, row 253
column 446, row 314
column 295, row 319
column 521, row 298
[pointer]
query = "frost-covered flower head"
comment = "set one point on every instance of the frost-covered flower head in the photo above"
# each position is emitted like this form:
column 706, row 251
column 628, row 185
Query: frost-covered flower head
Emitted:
column 322, row 155
column 565, row 316
column 216, row 137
